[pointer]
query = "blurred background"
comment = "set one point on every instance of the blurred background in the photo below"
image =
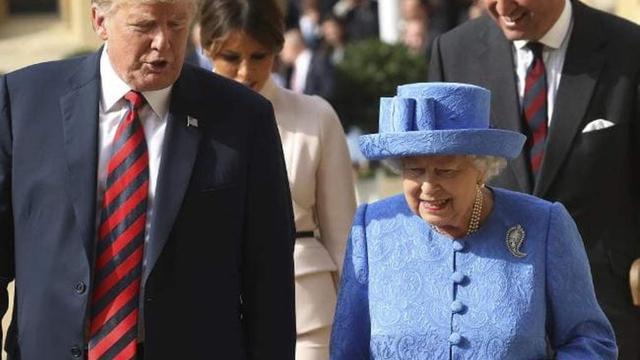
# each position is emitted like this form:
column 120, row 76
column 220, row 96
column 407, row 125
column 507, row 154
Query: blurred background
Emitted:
column 350, row 52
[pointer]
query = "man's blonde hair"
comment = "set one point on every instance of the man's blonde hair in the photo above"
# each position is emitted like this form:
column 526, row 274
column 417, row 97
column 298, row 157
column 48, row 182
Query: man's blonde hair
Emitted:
column 108, row 6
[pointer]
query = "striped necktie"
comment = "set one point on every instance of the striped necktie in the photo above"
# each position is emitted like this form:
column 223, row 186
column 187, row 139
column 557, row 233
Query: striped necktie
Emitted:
column 534, row 107
column 113, row 330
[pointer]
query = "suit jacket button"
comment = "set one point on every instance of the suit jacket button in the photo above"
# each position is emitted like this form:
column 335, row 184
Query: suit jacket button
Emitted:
column 80, row 288
column 76, row 352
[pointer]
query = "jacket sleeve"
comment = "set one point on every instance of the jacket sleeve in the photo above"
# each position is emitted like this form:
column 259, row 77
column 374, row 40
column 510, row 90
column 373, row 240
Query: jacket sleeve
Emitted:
column 335, row 197
column 6, row 215
column 576, row 325
column 351, row 327
column 267, row 265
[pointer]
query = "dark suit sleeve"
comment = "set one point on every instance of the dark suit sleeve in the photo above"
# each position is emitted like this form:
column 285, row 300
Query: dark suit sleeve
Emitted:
column 435, row 65
column 6, row 219
column 267, row 269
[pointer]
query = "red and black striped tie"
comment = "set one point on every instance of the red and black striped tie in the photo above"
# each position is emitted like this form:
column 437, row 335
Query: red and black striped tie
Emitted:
column 113, row 330
column 535, row 108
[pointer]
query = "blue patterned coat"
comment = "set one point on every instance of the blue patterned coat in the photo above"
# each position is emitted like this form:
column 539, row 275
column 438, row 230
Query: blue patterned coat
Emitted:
column 408, row 292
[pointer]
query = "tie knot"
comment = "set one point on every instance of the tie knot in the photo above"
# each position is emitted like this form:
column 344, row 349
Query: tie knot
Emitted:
column 536, row 48
column 135, row 99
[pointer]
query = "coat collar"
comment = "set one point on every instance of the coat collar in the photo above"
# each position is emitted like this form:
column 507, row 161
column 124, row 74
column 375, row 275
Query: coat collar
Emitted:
column 179, row 152
column 79, row 113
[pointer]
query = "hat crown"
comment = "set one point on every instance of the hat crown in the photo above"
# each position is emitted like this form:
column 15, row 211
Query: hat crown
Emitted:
column 435, row 106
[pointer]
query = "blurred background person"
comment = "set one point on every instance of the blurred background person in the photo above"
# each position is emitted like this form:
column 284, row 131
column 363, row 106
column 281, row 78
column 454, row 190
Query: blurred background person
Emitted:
column 243, row 38
column 309, row 22
column 307, row 71
column 334, row 39
column 296, row 57
column 195, row 55
column 414, row 9
column 415, row 36
column 360, row 18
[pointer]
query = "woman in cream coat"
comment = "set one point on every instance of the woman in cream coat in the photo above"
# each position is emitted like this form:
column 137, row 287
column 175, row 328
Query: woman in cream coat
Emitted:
column 243, row 38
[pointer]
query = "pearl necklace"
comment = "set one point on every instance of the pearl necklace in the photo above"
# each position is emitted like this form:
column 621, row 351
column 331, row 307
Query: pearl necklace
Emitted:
column 474, row 222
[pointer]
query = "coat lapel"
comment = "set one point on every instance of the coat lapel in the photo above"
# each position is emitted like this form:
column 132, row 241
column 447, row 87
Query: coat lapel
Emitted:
column 582, row 67
column 79, row 108
column 178, row 156
column 496, row 59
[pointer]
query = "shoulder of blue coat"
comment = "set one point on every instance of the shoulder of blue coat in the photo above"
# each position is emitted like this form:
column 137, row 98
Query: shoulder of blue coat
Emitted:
column 392, row 205
column 517, row 201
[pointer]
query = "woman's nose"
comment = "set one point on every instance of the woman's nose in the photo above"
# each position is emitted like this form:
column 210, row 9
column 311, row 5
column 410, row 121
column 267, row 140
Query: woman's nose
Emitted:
column 427, row 186
column 243, row 71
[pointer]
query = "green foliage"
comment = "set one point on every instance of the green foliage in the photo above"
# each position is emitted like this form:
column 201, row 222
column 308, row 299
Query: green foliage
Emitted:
column 372, row 69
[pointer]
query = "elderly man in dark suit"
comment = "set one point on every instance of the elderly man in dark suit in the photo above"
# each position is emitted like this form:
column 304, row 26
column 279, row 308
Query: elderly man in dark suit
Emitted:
column 144, row 205
column 568, row 76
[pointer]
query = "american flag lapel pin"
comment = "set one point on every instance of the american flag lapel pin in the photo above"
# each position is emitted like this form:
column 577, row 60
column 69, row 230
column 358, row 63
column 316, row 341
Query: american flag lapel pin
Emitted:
column 192, row 122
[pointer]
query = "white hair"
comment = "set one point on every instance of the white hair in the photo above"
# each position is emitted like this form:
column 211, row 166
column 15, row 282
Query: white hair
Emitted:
column 488, row 165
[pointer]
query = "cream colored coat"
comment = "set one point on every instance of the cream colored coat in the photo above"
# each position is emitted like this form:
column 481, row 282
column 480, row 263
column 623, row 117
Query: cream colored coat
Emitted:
column 322, row 192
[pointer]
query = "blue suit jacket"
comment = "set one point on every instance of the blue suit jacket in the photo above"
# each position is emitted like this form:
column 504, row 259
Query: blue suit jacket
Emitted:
column 410, row 293
column 219, row 273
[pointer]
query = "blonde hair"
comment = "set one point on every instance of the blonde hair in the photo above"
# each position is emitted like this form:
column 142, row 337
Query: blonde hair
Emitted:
column 108, row 6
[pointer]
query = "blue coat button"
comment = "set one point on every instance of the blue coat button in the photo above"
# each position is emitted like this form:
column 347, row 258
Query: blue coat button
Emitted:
column 458, row 245
column 457, row 306
column 458, row 277
column 455, row 339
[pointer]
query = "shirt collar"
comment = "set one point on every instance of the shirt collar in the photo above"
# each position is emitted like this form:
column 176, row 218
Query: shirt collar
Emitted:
column 558, row 32
column 113, row 88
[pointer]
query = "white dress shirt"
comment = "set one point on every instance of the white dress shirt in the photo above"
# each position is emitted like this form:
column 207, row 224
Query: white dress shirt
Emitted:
column 153, row 116
column 555, row 43
column 300, row 71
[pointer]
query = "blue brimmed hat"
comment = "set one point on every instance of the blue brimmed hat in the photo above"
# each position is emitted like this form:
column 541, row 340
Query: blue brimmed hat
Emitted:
column 438, row 119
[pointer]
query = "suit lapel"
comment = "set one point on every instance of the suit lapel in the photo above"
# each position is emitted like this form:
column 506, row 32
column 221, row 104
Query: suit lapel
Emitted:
column 496, row 59
column 79, row 108
column 178, row 156
column 582, row 66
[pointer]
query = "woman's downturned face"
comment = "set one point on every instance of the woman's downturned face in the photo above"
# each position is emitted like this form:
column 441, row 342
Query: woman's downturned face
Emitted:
column 242, row 58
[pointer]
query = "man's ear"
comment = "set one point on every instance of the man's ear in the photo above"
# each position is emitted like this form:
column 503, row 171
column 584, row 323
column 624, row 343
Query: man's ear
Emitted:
column 98, row 21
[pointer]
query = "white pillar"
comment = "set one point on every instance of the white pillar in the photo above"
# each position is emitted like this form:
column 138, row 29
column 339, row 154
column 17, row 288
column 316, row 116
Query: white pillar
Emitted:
column 389, row 18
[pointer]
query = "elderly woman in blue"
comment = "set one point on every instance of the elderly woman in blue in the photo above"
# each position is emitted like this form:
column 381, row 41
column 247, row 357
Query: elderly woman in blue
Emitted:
column 454, row 269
